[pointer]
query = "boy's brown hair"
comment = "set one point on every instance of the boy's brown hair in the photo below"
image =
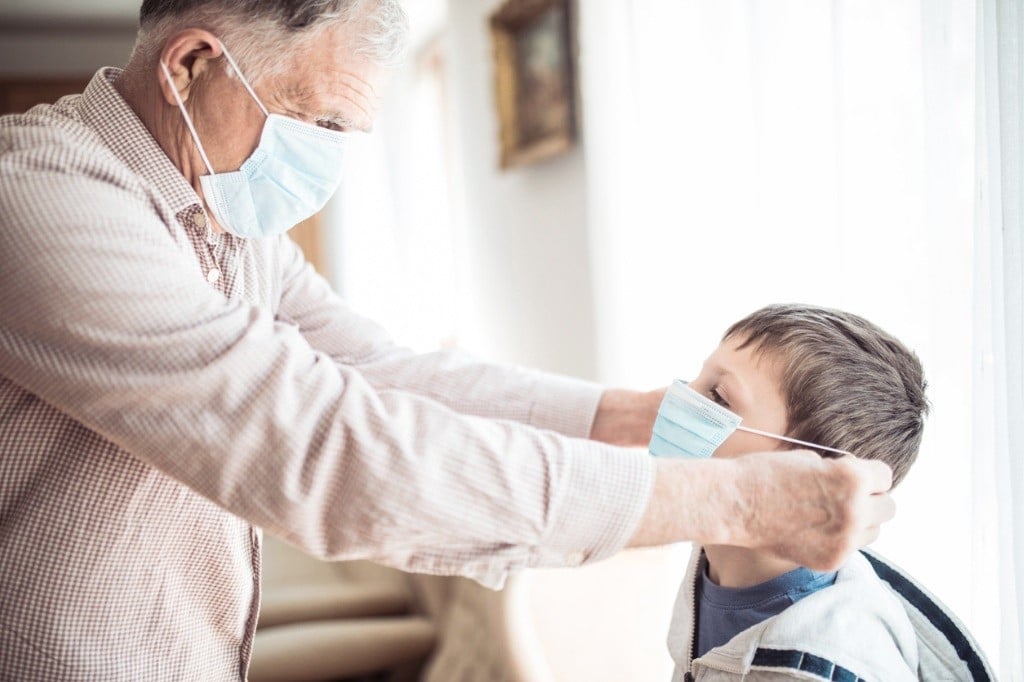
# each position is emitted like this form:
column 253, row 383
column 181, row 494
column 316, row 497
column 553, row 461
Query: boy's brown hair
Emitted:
column 847, row 384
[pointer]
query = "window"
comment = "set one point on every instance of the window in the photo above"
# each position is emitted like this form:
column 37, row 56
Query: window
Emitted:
column 393, row 233
column 760, row 152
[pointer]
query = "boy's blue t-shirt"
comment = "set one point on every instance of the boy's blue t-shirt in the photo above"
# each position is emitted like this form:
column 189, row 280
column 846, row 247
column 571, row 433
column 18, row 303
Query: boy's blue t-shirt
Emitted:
column 724, row 612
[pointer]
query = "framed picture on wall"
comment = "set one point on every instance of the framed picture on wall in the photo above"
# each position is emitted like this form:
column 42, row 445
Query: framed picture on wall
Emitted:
column 534, row 79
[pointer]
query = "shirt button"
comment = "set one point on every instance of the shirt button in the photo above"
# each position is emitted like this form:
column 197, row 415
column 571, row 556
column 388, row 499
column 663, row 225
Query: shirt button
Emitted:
column 199, row 219
column 574, row 558
column 213, row 275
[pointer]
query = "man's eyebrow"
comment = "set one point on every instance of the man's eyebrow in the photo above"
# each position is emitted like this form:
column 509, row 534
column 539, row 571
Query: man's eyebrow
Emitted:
column 337, row 119
column 301, row 94
column 343, row 121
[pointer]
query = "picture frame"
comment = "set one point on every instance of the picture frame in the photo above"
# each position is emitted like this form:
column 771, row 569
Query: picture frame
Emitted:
column 535, row 85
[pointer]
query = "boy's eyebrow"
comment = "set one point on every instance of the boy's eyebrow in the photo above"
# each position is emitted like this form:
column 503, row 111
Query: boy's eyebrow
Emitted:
column 724, row 371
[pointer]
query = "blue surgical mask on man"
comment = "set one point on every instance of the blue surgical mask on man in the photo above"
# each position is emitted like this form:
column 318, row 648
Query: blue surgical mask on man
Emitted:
column 692, row 425
column 290, row 175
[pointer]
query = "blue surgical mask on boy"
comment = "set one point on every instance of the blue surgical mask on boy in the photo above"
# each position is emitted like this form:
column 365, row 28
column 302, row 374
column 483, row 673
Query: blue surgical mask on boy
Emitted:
column 290, row 175
column 692, row 425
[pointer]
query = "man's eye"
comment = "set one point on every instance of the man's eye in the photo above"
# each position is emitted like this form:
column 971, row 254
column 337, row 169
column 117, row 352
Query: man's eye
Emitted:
column 330, row 125
column 717, row 397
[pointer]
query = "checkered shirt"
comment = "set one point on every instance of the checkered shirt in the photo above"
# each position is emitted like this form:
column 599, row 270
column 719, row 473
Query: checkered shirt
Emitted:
column 166, row 391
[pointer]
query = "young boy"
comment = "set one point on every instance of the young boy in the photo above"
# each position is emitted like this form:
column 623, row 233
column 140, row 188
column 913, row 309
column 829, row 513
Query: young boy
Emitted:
column 794, row 377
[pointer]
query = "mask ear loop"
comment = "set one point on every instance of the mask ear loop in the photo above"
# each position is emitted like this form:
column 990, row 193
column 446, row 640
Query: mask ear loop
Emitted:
column 188, row 119
column 812, row 446
column 776, row 436
column 241, row 77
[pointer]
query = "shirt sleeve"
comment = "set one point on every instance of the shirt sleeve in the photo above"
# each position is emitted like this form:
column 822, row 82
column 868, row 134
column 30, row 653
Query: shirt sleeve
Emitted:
column 453, row 378
column 106, row 318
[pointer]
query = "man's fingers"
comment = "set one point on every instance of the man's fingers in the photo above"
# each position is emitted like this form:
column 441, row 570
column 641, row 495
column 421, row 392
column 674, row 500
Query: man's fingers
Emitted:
column 868, row 536
column 877, row 474
column 814, row 511
column 880, row 508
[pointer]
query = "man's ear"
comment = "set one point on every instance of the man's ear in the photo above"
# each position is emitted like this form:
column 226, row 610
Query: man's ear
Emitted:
column 188, row 55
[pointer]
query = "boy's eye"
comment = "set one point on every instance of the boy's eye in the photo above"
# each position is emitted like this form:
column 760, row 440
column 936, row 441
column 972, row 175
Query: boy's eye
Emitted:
column 717, row 397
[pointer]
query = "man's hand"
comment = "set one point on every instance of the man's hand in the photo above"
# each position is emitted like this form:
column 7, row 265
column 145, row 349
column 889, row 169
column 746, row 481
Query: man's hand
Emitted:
column 811, row 510
column 626, row 417
column 795, row 504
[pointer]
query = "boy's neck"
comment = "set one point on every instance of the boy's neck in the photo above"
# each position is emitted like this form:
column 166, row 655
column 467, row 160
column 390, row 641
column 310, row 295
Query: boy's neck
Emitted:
column 737, row 567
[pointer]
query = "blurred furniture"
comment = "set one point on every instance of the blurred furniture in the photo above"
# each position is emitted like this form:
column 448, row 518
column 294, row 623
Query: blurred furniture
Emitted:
column 309, row 236
column 18, row 95
column 336, row 621
column 357, row 620
column 602, row 622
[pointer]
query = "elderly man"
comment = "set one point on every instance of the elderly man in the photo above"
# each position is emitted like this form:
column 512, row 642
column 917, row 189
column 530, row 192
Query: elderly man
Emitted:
column 174, row 377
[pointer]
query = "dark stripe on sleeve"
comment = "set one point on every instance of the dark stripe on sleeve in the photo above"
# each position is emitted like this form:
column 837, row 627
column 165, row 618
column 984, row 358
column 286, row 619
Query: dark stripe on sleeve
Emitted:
column 793, row 659
column 935, row 615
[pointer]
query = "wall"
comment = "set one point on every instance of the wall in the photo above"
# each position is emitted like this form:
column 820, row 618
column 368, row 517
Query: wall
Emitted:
column 32, row 48
column 532, row 302
column 528, row 296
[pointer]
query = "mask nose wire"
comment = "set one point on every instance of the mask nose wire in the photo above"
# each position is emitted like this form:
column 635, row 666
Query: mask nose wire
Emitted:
column 241, row 77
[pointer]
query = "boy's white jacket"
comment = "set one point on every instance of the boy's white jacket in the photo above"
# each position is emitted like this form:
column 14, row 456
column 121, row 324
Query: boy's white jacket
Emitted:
column 863, row 627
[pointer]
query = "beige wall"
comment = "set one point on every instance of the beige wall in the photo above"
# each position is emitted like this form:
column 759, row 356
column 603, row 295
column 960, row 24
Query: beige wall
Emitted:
column 35, row 50
column 531, row 299
column 534, row 304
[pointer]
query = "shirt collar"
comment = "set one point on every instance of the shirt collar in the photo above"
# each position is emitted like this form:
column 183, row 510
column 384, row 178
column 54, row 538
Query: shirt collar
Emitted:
column 785, row 588
column 120, row 128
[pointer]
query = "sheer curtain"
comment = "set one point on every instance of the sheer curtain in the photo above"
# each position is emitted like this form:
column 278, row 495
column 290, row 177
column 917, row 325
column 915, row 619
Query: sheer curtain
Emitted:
column 392, row 237
column 999, row 309
column 744, row 152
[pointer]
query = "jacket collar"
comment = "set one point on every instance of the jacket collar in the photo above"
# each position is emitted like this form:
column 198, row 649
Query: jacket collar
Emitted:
column 779, row 642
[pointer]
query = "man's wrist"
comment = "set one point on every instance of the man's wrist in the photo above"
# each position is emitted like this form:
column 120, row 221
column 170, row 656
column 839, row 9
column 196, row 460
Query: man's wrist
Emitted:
column 626, row 417
column 694, row 501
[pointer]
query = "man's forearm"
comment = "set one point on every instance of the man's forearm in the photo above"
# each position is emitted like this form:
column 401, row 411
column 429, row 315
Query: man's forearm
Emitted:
column 801, row 507
column 692, row 500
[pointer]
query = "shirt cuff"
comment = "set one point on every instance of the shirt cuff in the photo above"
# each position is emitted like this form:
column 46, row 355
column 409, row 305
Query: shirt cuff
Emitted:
column 565, row 405
column 605, row 493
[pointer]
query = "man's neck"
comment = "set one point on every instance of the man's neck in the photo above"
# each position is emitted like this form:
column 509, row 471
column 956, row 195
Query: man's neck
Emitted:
column 737, row 567
column 139, row 87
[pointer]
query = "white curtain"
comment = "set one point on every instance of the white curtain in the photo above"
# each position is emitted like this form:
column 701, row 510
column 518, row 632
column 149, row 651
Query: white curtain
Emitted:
column 999, row 338
column 860, row 154
column 744, row 152
column 392, row 234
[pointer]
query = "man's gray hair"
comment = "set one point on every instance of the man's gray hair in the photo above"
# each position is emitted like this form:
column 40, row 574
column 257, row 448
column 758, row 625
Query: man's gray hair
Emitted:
column 262, row 33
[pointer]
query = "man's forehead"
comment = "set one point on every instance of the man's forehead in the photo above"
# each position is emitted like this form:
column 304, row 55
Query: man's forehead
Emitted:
column 347, row 99
column 327, row 77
